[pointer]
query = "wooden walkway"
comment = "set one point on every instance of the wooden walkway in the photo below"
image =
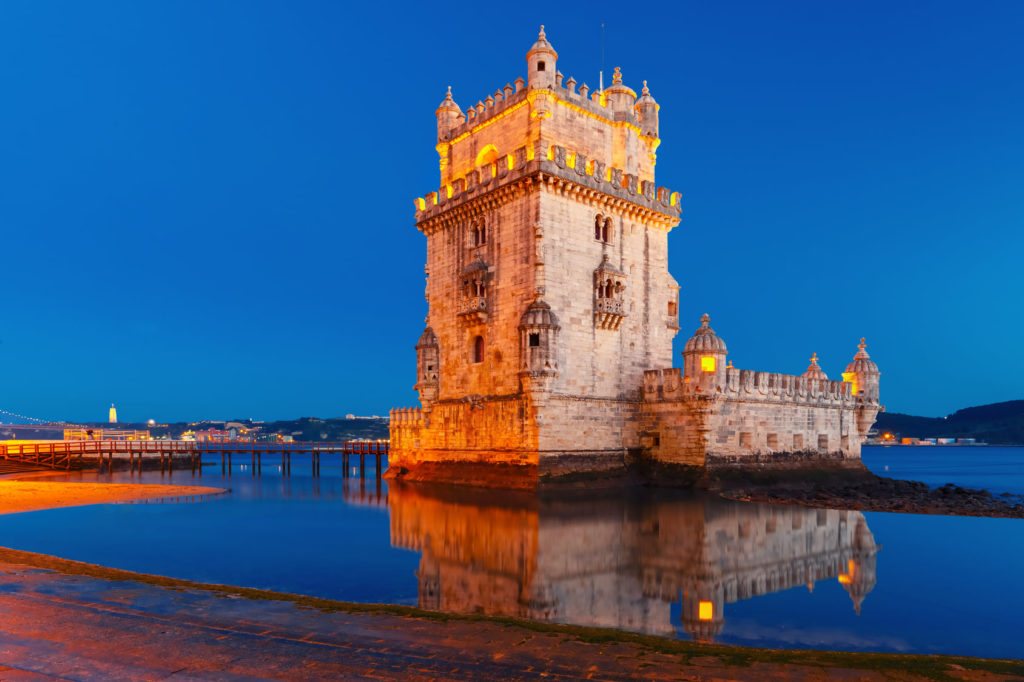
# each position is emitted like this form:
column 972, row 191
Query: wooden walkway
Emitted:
column 190, row 454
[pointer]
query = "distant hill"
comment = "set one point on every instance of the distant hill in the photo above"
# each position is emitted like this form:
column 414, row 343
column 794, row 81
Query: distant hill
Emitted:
column 998, row 424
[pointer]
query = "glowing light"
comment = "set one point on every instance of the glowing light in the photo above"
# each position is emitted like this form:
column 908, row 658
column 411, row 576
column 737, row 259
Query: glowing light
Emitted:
column 449, row 190
column 511, row 161
column 590, row 167
column 421, row 203
column 487, row 155
column 707, row 363
column 551, row 153
column 851, row 378
column 570, row 160
column 705, row 610
column 845, row 579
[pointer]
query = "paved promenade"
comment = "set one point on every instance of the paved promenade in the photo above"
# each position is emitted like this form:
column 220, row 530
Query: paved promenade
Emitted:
column 63, row 625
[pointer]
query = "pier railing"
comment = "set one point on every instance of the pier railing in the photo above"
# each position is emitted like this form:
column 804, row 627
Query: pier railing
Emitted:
column 65, row 454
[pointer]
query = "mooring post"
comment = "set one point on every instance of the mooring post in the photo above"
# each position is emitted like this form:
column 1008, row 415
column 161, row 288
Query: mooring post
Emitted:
column 229, row 463
column 259, row 462
column 362, row 465
column 199, row 456
column 221, row 462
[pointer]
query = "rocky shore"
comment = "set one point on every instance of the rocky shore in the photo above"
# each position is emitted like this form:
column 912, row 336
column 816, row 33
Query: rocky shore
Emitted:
column 865, row 491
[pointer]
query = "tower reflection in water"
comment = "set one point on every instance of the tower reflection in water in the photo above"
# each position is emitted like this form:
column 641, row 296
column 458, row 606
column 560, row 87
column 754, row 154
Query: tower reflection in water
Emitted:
column 621, row 563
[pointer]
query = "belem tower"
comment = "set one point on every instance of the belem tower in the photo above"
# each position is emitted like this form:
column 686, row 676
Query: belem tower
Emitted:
column 551, row 310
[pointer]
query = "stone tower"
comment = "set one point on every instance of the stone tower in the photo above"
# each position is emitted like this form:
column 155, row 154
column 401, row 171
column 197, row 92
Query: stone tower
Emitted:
column 547, row 281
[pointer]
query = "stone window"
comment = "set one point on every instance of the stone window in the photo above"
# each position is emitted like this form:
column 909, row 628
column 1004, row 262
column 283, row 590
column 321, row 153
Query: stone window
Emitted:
column 773, row 441
column 672, row 308
column 822, row 517
column 798, row 442
column 473, row 295
column 540, row 66
column 478, row 349
column 603, row 229
column 478, row 234
column 609, row 290
column 823, row 441
column 746, row 439
column 534, row 340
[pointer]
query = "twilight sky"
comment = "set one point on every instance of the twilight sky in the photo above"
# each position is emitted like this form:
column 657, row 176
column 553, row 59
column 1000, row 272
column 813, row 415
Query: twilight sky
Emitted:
column 206, row 206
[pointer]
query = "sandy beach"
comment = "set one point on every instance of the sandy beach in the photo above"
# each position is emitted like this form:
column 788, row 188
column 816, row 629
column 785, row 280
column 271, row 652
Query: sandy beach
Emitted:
column 33, row 495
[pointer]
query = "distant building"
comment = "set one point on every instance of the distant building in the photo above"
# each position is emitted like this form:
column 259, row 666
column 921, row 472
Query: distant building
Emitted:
column 113, row 414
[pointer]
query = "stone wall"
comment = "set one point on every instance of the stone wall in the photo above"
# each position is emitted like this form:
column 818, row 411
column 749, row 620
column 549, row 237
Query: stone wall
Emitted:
column 751, row 418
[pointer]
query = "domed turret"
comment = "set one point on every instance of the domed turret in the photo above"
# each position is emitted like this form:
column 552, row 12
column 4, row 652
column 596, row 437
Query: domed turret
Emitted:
column 814, row 371
column 863, row 373
column 704, row 340
column 704, row 358
column 620, row 98
column 448, row 115
column 647, row 113
column 860, row 576
column 540, row 63
column 428, row 356
column 538, row 346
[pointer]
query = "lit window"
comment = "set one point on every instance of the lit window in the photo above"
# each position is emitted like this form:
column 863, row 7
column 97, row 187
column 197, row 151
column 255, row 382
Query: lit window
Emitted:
column 707, row 363
column 705, row 610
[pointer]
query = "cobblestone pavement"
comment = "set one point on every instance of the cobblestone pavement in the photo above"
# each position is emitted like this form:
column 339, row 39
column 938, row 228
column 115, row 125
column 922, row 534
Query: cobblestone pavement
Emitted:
column 64, row 626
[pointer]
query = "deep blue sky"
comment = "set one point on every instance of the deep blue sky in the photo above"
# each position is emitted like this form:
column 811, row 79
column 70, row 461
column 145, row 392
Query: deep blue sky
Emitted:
column 206, row 207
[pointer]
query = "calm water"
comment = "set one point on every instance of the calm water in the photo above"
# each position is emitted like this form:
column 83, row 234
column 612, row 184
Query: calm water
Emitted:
column 759, row 575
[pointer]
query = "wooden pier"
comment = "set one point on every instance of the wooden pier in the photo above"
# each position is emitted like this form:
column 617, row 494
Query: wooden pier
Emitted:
column 190, row 454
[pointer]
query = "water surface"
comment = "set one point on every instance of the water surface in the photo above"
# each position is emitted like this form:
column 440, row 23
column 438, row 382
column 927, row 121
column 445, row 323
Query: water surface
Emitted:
column 666, row 563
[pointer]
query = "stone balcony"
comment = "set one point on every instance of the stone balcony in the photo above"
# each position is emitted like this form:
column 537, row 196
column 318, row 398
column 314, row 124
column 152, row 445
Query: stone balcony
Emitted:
column 473, row 309
column 609, row 313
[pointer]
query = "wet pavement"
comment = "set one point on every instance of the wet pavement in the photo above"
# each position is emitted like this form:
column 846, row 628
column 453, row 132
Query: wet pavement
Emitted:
column 58, row 625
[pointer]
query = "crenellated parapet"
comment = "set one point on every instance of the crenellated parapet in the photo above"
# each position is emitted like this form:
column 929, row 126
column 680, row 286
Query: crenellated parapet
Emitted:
column 552, row 163
column 745, row 384
column 407, row 416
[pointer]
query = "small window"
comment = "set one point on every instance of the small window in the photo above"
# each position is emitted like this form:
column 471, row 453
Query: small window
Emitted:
column 773, row 441
column 598, row 222
column 798, row 442
column 707, row 363
column 823, row 442
column 746, row 439
column 540, row 66
column 672, row 308
column 534, row 340
column 478, row 349
column 603, row 229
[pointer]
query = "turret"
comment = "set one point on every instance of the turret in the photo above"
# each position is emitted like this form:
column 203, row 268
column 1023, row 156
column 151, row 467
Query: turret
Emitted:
column 702, row 612
column 814, row 370
column 647, row 113
column 428, row 358
column 863, row 373
column 538, row 346
column 448, row 117
column 620, row 99
column 540, row 63
column 704, row 359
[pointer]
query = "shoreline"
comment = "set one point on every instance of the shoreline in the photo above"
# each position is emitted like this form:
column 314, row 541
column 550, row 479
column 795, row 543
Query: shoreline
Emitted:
column 442, row 640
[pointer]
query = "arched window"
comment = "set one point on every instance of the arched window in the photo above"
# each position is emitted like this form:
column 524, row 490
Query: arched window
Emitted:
column 606, row 231
column 478, row 349
column 540, row 66
column 598, row 222
column 489, row 154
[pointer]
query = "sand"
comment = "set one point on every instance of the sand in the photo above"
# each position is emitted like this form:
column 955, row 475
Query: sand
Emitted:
column 22, row 496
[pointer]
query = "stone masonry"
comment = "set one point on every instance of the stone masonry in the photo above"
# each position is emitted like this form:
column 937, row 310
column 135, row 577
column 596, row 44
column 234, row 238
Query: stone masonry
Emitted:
column 550, row 302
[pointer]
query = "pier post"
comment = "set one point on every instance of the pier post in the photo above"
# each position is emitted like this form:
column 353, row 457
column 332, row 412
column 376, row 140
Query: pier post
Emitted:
column 221, row 462
column 229, row 462
column 362, row 465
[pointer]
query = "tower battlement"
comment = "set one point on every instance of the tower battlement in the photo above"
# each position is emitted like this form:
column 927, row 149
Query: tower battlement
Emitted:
column 556, row 161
